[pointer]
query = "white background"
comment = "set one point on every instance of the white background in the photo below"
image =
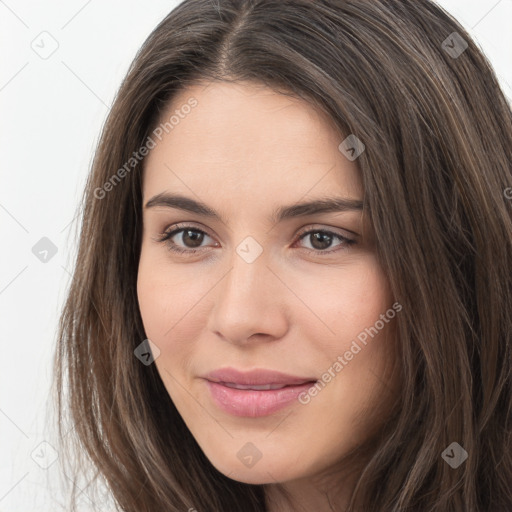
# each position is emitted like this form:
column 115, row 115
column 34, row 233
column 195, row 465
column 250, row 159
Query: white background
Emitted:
column 52, row 111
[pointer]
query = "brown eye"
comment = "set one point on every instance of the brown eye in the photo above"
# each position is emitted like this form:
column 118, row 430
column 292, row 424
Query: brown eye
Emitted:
column 320, row 240
column 191, row 239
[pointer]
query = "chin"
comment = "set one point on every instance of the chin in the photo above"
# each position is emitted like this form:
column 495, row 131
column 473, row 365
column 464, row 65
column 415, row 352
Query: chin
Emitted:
column 262, row 472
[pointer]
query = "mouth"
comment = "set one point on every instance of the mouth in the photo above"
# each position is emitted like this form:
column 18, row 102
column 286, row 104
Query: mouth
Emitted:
column 255, row 378
column 255, row 393
column 263, row 387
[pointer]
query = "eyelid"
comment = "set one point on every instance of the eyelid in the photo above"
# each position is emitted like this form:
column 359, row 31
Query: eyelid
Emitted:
column 344, row 233
column 168, row 233
column 174, row 229
column 310, row 227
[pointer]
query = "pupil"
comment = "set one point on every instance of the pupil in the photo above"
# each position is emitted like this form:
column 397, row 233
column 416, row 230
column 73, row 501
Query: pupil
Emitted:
column 321, row 237
column 196, row 240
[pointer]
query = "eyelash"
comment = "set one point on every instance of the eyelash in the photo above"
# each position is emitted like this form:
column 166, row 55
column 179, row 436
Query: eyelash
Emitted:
column 166, row 236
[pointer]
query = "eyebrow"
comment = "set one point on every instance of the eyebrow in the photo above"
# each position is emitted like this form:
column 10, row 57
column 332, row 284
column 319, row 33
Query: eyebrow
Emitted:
column 317, row 206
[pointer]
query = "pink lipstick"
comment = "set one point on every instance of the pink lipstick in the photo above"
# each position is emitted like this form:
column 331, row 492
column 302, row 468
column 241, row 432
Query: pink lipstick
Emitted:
column 254, row 393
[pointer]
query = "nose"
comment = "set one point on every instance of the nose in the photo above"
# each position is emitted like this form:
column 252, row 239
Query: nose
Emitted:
column 250, row 303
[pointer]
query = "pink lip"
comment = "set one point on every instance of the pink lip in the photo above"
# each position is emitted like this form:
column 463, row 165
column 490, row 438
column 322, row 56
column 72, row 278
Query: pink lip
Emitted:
column 254, row 403
column 255, row 377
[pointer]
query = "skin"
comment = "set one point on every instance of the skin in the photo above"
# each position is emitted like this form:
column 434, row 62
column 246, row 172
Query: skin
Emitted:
column 245, row 150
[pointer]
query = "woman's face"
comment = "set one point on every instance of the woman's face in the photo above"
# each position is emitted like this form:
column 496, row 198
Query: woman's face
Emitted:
column 302, row 293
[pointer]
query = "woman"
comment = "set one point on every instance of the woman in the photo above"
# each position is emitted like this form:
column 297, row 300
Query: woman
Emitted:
column 293, row 285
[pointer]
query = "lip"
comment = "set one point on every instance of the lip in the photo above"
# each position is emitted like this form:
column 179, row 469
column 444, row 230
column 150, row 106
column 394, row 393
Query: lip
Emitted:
column 254, row 403
column 257, row 377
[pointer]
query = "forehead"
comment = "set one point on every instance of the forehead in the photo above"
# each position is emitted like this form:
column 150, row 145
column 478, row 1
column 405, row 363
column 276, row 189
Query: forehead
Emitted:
column 245, row 138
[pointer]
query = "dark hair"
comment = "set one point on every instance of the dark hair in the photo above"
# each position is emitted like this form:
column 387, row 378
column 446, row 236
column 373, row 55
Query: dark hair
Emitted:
column 436, row 170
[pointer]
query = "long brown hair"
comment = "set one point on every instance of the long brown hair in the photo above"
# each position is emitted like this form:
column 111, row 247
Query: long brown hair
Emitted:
column 436, row 171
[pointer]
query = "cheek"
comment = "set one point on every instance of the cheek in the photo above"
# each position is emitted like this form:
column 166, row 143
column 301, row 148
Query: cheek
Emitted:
column 169, row 301
column 344, row 302
column 352, row 335
column 154, row 300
